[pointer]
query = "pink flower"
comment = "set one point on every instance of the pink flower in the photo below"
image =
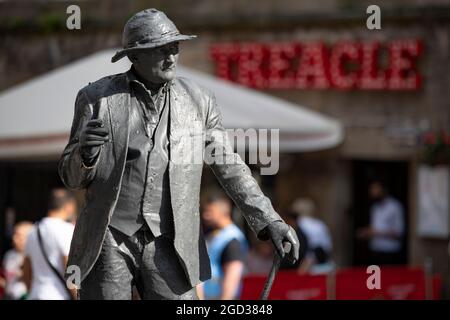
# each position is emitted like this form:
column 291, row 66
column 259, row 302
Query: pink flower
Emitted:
column 429, row 138
column 445, row 138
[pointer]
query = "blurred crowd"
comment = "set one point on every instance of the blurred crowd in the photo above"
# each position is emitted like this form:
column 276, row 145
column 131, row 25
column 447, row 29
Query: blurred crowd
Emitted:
column 34, row 267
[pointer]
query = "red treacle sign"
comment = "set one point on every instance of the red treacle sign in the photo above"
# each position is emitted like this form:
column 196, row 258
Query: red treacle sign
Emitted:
column 344, row 66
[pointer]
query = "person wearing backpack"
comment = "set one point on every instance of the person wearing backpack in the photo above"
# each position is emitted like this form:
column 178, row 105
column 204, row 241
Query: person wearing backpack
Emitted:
column 47, row 250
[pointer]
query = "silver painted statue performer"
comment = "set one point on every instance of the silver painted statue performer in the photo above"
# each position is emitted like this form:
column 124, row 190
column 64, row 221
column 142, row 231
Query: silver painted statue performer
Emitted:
column 130, row 138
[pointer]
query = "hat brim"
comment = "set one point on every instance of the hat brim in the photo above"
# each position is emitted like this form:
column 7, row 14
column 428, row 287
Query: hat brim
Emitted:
column 150, row 45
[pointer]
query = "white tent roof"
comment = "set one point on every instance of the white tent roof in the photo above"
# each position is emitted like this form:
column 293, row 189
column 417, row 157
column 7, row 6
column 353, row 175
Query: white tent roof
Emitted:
column 35, row 117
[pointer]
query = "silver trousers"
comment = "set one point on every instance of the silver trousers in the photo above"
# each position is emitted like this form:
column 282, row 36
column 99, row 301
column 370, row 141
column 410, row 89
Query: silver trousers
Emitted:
column 148, row 263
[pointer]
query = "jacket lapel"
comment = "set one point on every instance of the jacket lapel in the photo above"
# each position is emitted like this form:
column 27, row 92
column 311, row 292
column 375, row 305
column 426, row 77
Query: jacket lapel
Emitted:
column 177, row 117
column 119, row 110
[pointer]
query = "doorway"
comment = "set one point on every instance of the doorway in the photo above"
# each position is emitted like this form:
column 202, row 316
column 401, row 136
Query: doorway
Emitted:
column 395, row 176
column 24, row 188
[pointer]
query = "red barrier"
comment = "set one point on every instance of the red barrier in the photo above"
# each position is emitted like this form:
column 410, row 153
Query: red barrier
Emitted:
column 2, row 290
column 287, row 286
column 437, row 287
column 397, row 283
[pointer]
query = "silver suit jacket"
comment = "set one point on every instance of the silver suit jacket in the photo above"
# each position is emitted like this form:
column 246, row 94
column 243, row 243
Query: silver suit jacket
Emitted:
column 194, row 117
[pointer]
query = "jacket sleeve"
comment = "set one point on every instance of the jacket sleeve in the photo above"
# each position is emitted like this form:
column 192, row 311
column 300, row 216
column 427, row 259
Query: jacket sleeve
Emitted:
column 234, row 175
column 73, row 172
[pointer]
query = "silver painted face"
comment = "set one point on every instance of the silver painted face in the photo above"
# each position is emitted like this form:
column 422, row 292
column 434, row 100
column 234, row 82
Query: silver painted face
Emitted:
column 157, row 65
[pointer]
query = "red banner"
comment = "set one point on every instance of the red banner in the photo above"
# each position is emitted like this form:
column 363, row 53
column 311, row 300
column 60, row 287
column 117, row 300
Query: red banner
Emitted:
column 287, row 286
column 397, row 283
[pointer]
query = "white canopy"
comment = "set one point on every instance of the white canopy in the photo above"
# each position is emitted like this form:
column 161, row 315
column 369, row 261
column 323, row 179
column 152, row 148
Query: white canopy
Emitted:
column 35, row 117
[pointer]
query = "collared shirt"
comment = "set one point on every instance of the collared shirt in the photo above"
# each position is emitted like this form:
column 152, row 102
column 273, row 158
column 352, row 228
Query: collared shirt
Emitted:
column 152, row 104
column 147, row 115
column 387, row 216
column 151, row 101
column 144, row 194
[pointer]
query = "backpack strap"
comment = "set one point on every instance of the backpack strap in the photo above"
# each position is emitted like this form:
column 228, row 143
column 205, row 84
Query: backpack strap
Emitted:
column 52, row 267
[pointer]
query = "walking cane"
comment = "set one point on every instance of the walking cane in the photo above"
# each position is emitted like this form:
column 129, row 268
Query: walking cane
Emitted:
column 273, row 271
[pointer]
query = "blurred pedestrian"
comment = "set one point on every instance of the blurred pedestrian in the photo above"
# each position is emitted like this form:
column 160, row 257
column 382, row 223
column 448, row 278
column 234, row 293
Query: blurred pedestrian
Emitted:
column 47, row 249
column 15, row 288
column 385, row 233
column 260, row 257
column 227, row 249
column 291, row 217
column 318, row 253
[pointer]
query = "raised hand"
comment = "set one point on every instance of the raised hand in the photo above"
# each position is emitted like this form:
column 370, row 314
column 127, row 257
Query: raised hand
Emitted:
column 92, row 138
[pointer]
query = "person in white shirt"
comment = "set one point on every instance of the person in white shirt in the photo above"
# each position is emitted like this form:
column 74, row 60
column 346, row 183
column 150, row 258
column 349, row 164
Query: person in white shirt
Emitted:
column 318, row 254
column 387, row 226
column 56, row 235
column 15, row 288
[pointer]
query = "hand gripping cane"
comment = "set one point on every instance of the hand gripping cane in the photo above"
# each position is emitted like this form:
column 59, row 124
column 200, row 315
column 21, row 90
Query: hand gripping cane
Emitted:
column 273, row 271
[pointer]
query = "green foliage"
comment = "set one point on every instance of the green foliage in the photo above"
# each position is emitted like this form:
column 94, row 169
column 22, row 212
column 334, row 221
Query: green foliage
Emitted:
column 51, row 22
